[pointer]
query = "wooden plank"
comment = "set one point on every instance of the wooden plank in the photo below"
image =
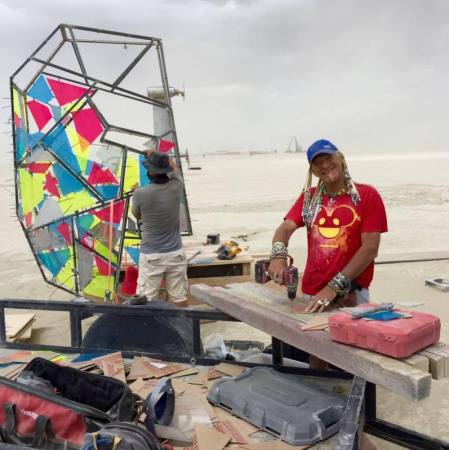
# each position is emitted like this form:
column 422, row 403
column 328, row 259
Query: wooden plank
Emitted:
column 24, row 333
column 220, row 281
column 211, row 255
column 394, row 258
column 437, row 364
column 274, row 299
column 438, row 352
column 389, row 373
column 418, row 361
column 214, row 281
column 15, row 323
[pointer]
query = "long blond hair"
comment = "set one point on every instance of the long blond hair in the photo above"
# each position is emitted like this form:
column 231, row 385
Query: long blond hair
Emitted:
column 312, row 203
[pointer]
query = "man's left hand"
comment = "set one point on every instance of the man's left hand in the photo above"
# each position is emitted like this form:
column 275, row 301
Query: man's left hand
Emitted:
column 322, row 300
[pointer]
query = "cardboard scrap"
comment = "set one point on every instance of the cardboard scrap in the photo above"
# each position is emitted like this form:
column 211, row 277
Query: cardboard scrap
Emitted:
column 230, row 369
column 143, row 387
column 139, row 369
column 232, row 428
column 112, row 365
column 20, row 356
column 26, row 356
column 213, row 374
column 185, row 373
column 199, row 379
column 163, row 370
column 181, row 386
column 190, row 411
column 242, row 425
column 164, row 432
column 12, row 370
column 211, row 439
column 84, row 365
column 144, row 367
column 209, row 408
column 318, row 322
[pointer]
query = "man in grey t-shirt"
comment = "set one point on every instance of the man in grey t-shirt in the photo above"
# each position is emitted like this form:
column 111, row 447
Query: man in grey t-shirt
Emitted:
column 157, row 207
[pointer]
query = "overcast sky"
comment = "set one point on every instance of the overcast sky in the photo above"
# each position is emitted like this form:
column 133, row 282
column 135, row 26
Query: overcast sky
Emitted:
column 371, row 75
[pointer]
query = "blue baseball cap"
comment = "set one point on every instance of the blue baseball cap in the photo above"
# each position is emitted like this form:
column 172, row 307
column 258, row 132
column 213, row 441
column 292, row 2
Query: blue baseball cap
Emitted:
column 319, row 147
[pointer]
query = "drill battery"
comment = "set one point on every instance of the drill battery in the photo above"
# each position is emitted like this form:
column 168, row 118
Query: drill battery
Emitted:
column 289, row 276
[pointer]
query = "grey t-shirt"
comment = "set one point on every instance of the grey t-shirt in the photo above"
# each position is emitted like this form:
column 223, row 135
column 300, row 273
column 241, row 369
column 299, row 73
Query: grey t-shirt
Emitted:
column 158, row 206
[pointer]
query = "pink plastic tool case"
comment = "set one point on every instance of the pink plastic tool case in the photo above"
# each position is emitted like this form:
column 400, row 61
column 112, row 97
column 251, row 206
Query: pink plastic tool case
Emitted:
column 398, row 338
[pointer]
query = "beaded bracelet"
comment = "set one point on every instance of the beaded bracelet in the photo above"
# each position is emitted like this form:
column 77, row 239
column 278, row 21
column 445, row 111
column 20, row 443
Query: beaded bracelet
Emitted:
column 341, row 284
column 279, row 250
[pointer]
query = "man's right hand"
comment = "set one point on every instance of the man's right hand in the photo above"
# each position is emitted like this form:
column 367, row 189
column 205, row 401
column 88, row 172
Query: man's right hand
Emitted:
column 276, row 268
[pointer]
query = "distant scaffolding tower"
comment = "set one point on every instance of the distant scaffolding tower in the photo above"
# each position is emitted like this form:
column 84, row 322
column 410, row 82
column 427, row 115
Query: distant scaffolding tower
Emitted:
column 82, row 121
column 293, row 146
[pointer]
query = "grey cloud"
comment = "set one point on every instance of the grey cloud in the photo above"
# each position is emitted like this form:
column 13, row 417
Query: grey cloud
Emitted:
column 370, row 73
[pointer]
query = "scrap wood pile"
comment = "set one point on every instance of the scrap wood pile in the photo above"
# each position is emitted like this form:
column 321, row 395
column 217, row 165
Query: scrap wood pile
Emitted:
column 196, row 424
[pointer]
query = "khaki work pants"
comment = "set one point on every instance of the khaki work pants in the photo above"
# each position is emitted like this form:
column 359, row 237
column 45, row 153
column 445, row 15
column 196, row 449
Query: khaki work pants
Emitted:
column 155, row 267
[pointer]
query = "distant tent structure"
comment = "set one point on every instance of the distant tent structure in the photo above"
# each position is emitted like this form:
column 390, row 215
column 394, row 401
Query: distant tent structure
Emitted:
column 293, row 146
column 79, row 129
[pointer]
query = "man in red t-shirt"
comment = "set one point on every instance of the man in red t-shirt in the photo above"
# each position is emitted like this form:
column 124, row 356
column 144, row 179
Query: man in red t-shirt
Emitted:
column 344, row 221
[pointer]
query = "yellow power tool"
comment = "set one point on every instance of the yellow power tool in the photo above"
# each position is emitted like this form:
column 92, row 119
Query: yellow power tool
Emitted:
column 228, row 250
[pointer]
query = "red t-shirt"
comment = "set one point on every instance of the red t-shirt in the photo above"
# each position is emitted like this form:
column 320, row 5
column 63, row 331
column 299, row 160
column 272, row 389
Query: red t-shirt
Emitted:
column 336, row 235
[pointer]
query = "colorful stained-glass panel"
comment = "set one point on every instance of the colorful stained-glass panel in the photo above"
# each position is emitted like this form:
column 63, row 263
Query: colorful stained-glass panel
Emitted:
column 53, row 248
column 98, row 233
column 73, row 183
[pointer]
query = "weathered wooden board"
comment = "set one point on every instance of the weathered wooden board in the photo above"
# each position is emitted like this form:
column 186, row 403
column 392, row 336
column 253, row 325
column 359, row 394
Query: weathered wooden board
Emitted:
column 272, row 318
column 275, row 298
column 15, row 323
column 277, row 301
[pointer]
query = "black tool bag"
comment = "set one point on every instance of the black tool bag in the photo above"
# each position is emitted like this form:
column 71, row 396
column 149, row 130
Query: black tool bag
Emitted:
column 106, row 394
column 121, row 436
column 58, row 417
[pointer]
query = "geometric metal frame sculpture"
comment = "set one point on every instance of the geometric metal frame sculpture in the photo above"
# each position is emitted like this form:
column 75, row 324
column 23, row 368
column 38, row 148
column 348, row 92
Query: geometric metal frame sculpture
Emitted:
column 75, row 169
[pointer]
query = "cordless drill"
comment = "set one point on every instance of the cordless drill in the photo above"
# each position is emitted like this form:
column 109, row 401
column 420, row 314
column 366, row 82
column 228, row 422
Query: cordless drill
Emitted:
column 289, row 275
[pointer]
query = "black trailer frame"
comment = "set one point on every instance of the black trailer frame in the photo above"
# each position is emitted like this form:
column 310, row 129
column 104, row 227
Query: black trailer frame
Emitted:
column 360, row 413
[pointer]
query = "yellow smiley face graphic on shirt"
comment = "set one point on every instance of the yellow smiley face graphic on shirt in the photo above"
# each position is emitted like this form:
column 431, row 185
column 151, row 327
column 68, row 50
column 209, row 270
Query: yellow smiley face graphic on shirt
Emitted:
column 331, row 222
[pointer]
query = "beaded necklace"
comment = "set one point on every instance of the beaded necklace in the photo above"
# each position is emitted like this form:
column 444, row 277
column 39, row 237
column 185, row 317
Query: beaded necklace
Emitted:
column 335, row 194
column 312, row 203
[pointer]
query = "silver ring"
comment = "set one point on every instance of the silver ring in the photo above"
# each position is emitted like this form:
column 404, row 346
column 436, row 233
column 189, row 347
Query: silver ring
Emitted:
column 320, row 302
column 327, row 303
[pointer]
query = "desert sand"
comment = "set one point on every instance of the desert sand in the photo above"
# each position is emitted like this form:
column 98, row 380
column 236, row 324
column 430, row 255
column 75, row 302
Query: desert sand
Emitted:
column 245, row 197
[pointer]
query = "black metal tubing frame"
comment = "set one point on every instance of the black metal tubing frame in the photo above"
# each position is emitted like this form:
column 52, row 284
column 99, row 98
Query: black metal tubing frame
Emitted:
column 351, row 423
column 395, row 433
column 67, row 34
column 146, row 41
column 81, row 310
column 363, row 394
